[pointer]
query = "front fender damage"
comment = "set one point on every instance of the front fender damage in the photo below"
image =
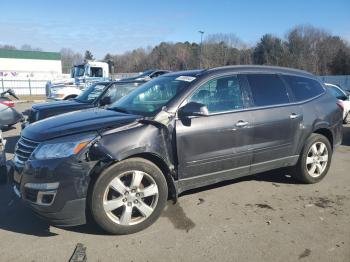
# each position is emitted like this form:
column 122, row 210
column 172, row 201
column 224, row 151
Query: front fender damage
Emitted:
column 144, row 138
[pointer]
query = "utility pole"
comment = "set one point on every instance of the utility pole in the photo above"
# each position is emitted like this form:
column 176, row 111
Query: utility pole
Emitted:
column 200, row 49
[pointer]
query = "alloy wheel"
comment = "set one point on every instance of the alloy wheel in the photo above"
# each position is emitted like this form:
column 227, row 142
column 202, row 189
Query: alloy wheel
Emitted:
column 317, row 159
column 130, row 198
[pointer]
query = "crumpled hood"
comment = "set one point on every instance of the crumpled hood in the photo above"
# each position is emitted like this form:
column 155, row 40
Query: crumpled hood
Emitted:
column 76, row 122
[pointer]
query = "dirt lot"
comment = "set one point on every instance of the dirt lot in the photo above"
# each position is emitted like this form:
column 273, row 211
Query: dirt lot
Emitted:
column 267, row 217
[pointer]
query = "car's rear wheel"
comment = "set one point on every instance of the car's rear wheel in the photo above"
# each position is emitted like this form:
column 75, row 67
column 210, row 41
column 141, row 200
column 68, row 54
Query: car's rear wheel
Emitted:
column 129, row 196
column 314, row 161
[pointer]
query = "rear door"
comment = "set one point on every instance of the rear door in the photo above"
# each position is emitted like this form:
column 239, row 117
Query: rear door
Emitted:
column 217, row 145
column 276, row 122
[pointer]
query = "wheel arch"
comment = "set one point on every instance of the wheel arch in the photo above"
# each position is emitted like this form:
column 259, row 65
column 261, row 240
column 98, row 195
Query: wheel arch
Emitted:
column 152, row 157
column 164, row 167
column 327, row 133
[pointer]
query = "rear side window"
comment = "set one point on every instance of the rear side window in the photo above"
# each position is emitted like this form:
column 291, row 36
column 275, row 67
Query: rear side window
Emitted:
column 267, row 89
column 303, row 88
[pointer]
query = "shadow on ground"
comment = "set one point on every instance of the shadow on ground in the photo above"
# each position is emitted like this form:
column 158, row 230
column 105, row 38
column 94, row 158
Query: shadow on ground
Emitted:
column 16, row 217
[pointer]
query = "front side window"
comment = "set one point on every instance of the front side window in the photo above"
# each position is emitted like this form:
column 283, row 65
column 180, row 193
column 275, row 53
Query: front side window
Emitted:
column 96, row 72
column 89, row 95
column 220, row 95
column 117, row 91
column 148, row 99
column 303, row 88
column 78, row 71
column 267, row 89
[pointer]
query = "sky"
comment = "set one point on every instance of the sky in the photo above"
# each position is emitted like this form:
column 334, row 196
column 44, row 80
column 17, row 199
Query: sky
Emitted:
column 107, row 26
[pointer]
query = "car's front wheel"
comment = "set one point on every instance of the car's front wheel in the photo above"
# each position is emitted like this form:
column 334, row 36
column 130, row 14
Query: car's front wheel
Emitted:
column 314, row 161
column 128, row 196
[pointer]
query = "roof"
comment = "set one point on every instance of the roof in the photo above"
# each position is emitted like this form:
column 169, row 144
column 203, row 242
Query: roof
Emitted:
column 259, row 68
column 241, row 68
column 184, row 73
column 19, row 54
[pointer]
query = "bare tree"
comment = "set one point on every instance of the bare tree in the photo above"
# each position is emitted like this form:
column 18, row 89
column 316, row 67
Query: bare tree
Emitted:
column 69, row 58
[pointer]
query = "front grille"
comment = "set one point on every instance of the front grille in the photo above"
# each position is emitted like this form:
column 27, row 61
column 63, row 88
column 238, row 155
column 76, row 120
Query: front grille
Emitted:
column 24, row 149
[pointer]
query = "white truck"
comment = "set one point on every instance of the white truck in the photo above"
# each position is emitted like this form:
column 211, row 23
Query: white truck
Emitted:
column 82, row 76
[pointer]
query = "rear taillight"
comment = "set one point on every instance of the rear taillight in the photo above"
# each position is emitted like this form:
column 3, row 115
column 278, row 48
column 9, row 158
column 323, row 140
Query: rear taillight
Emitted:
column 340, row 103
column 8, row 103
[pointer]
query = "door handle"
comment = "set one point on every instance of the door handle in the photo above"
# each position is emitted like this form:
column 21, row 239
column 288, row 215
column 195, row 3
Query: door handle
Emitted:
column 241, row 123
column 294, row 116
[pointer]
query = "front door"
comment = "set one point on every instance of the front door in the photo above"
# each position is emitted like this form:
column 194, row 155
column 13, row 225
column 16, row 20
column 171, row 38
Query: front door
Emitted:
column 216, row 146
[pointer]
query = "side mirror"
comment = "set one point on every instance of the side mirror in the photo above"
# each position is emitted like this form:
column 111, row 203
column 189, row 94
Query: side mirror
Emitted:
column 105, row 101
column 193, row 109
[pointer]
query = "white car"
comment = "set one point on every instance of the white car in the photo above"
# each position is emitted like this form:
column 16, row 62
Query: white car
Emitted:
column 343, row 98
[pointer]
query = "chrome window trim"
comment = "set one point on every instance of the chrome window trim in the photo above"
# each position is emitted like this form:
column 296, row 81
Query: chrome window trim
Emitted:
column 291, row 103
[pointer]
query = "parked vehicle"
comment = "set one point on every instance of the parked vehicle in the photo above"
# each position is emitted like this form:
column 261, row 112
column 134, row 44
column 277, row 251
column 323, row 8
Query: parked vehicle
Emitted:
column 9, row 116
column 97, row 95
column 344, row 100
column 179, row 131
column 4, row 99
column 3, row 168
column 148, row 75
column 82, row 76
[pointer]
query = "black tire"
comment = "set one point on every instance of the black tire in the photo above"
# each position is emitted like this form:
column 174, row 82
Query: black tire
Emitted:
column 95, row 201
column 300, row 171
column 347, row 119
column 3, row 173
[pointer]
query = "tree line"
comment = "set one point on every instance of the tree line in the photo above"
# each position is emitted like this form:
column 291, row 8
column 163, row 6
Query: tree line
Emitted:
column 303, row 47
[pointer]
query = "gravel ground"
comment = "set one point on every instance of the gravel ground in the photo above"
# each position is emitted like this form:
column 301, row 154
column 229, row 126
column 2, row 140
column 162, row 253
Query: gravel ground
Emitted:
column 266, row 217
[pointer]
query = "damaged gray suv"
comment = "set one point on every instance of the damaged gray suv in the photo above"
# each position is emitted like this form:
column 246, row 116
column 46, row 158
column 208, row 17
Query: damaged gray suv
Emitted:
column 180, row 131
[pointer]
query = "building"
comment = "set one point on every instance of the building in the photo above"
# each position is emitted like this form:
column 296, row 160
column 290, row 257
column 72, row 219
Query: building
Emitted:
column 27, row 72
column 29, row 64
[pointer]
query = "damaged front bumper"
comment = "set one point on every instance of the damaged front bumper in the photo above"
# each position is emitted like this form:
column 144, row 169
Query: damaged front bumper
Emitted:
column 55, row 189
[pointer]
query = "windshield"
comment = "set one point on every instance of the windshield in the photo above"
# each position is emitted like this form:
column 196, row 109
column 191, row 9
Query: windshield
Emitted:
column 93, row 92
column 78, row 71
column 149, row 99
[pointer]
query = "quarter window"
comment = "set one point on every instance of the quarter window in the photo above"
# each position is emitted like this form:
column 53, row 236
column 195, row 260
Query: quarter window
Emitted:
column 267, row 89
column 303, row 88
column 220, row 95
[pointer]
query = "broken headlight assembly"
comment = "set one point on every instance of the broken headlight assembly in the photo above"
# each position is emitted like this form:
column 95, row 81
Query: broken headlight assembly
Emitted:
column 63, row 147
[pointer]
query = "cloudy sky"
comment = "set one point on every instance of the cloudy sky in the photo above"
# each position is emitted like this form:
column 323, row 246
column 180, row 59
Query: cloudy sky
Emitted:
column 115, row 26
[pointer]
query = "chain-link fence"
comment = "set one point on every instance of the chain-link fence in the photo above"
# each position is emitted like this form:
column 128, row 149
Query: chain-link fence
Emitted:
column 22, row 87
column 35, row 87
